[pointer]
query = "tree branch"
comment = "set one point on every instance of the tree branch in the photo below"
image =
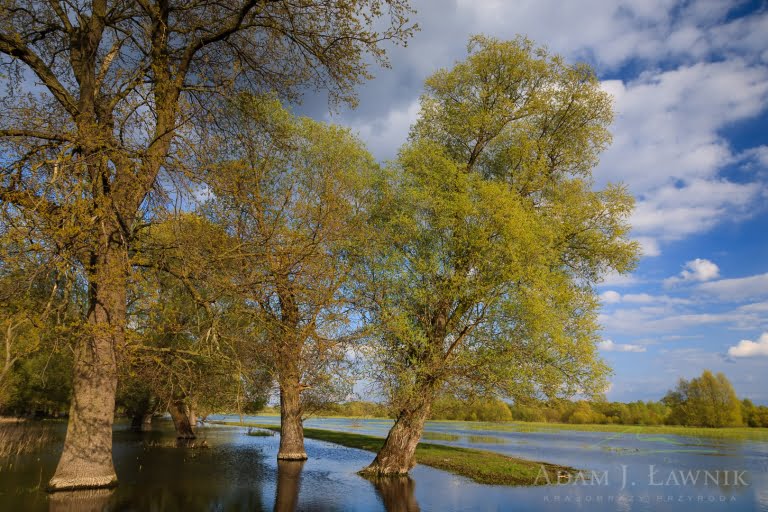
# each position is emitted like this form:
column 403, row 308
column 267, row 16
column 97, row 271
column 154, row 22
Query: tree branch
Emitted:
column 12, row 45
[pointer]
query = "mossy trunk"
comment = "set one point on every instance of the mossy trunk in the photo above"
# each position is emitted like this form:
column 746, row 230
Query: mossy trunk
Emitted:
column 288, row 485
column 291, row 426
column 180, row 414
column 86, row 461
column 396, row 456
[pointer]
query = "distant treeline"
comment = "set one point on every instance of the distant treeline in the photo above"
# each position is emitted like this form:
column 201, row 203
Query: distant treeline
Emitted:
column 705, row 401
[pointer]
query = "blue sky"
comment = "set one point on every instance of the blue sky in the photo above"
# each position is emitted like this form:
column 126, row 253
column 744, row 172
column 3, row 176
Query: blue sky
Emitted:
column 690, row 81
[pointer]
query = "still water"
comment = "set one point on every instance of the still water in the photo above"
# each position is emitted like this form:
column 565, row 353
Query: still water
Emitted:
column 621, row 472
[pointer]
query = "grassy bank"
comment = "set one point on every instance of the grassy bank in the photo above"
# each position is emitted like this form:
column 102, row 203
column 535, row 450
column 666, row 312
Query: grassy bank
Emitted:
column 481, row 466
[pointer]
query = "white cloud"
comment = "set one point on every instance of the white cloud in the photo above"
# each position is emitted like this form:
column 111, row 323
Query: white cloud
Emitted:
column 616, row 279
column 699, row 270
column 737, row 289
column 672, row 212
column 748, row 348
column 668, row 149
column 610, row 346
column 649, row 246
column 668, row 319
column 610, row 297
column 614, row 297
column 385, row 134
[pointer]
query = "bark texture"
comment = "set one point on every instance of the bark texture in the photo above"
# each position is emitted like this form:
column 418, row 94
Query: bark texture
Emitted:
column 396, row 456
column 180, row 414
column 86, row 461
column 291, row 426
column 288, row 484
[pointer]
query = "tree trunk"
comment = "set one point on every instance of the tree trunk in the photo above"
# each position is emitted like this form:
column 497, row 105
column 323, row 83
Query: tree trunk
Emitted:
column 291, row 427
column 192, row 417
column 146, row 422
column 180, row 415
column 136, row 421
column 396, row 456
column 86, row 461
column 288, row 484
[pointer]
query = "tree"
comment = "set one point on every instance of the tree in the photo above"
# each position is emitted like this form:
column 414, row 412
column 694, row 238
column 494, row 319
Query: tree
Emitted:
column 293, row 193
column 491, row 239
column 97, row 92
column 705, row 401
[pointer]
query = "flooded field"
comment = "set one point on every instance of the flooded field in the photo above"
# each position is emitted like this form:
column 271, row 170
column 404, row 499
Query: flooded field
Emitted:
column 235, row 471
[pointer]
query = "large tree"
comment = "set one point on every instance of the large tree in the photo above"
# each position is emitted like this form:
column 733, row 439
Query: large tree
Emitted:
column 492, row 236
column 705, row 401
column 293, row 194
column 95, row 95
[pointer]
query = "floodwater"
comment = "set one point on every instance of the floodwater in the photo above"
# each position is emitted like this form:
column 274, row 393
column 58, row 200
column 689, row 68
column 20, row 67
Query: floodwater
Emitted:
column 621, row 472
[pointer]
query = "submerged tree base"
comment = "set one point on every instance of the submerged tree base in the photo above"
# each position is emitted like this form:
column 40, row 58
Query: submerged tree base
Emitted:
column 478, row 465
column 58, row 484
column 292, row 456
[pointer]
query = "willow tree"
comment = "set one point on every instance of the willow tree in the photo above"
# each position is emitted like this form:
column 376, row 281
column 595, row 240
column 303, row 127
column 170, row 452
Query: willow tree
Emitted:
column 96, row 93
column 293, row 193
column 491, row 237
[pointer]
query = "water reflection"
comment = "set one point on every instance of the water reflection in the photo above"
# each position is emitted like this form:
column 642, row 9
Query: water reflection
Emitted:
column 397, row 493
column 79, row 501
column 288, row 484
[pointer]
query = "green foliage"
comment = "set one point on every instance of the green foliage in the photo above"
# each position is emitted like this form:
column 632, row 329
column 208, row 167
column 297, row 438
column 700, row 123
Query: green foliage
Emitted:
column 491, row 234
column 705, row 401
column 489, row 409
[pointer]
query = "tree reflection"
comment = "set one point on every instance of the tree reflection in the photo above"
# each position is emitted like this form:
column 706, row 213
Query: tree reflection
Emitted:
column 93, row 500
column 288, row 484
column 397, row 493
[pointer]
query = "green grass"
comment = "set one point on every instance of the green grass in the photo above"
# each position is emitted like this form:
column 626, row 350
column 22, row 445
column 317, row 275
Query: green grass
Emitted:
column 479, row 465
column 739, row 433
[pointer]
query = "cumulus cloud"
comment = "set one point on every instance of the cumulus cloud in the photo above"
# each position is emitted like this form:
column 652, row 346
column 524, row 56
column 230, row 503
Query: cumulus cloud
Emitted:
column 748, row 348
column 699, row 270
column 610, row 346
column 669, row 150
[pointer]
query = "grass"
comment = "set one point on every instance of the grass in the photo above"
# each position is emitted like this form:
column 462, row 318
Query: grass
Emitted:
column 23, row 437
column 479, row 465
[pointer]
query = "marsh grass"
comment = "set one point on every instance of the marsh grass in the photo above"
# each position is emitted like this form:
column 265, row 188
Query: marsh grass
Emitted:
column 24, row 437
column 259, row 432
column 192, row 444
